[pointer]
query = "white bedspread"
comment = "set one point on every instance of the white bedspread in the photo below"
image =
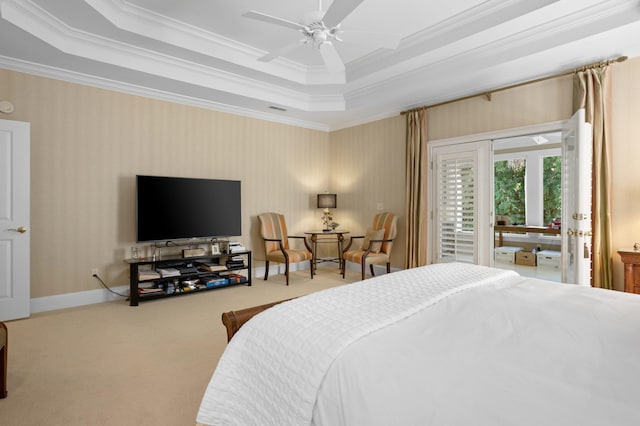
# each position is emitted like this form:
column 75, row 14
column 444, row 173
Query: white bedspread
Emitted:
column 525, row 353
column 273, row 367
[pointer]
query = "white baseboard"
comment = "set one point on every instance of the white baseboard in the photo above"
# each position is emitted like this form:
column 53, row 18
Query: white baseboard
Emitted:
column 90, row 297
column 72, row 300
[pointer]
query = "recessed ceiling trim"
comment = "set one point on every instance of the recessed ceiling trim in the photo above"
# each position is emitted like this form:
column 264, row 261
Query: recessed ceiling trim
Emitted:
column 449, row 50
column 465, row 34
column 464, row 25
column 132, row 89
column 144, row 22
column 41, row 24
column 551, row 35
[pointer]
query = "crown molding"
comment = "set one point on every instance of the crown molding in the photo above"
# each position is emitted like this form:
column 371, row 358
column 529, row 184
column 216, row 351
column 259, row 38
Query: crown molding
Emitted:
column 41, row 24
column 144, row 22
column 421, row 46
column 556, row 34
column 131, row 89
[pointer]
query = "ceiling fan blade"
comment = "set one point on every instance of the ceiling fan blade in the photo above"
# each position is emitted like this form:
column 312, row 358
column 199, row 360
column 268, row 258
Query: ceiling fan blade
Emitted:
column 331, row 58
column 384, row 40
column 272, row 20
column 280, row 52
column 339, row 10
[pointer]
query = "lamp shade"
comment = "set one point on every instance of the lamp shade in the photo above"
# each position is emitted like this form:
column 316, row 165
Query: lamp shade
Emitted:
column 327, row 201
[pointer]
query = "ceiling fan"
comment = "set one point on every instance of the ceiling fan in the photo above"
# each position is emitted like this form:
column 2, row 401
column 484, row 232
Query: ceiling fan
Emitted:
column 322, row 29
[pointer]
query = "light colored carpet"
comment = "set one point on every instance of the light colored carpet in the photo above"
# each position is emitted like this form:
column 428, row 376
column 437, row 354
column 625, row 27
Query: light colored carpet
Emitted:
column 112, row 364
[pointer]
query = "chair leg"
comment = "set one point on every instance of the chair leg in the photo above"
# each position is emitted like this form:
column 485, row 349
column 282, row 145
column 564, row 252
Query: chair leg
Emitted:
column 344, row 268
column 373, row 274
column 363, row 268
column 266, row 270
column 311, row 267
column 286, row 271
column 388, row 268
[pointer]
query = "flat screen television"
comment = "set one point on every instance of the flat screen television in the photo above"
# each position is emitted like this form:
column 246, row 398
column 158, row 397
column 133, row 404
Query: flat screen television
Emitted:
column 177, row 208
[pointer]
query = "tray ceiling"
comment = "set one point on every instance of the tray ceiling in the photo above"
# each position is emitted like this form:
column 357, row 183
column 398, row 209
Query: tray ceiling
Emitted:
column 206, row 53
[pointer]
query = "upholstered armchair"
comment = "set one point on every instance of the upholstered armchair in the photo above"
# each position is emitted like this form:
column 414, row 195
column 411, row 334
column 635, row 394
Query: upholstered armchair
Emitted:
column 376, row 244
column 276, row 244
column 4, row 337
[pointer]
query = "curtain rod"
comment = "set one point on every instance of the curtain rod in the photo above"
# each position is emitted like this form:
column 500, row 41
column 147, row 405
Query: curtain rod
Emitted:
column 524, row 83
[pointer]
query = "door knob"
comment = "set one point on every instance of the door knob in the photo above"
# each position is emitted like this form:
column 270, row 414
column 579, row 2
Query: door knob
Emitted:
column 20, row 229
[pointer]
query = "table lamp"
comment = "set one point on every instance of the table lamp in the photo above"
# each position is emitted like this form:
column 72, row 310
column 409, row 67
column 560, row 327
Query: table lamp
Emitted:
column 326, row 202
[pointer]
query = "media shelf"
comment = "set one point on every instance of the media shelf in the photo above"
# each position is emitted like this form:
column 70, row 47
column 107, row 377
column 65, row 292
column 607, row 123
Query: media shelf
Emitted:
column 153, row 279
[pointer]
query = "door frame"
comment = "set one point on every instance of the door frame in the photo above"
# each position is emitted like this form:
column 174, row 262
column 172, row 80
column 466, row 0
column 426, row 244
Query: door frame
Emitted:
column 554, row 126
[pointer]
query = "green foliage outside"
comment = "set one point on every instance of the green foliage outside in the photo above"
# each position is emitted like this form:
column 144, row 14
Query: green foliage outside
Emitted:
column 509, row 190
column 509, row 193
column 552, row 183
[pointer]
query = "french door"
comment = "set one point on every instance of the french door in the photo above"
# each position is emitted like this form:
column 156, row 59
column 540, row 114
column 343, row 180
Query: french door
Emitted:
column 461, row 200
column 576, row 200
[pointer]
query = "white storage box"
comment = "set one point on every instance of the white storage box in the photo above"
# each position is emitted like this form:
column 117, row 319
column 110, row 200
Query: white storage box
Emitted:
column 549, row 259
column 506, row 254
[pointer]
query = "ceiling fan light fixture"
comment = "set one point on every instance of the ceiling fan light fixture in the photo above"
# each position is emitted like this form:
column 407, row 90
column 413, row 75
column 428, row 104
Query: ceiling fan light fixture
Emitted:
column 319, row 37
column 319, row 28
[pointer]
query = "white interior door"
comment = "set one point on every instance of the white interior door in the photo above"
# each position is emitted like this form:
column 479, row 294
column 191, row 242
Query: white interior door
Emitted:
column 14, row 220
column 576, row 200
column 461, row 220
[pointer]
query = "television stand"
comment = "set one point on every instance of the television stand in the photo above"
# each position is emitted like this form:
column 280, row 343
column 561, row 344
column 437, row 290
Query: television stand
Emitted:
column 151, row 279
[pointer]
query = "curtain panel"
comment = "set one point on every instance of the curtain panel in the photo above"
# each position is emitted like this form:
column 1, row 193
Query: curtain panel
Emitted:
column 416, row 189
column 592, row 91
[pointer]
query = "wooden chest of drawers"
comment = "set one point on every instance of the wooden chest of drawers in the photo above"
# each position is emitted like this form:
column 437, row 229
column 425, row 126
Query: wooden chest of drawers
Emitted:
column 631, row 260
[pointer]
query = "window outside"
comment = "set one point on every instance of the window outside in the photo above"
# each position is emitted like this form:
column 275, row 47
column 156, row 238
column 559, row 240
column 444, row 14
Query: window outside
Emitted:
column 552, row 185
column 509, row 190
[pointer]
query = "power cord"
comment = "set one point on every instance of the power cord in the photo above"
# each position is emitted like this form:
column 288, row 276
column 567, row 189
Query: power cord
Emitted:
column 107, row 287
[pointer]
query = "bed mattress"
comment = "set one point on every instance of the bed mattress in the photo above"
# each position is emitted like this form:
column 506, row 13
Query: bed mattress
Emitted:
column 440, row 345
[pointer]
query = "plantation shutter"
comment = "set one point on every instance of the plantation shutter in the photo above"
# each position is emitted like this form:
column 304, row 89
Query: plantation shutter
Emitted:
column 456, row 207
column 462, row 218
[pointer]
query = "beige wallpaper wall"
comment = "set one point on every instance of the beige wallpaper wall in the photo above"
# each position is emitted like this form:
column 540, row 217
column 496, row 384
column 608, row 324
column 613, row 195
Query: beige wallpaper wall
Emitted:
column 88, row 144
column 541, row 102
column 367, row 166
column 625, row 200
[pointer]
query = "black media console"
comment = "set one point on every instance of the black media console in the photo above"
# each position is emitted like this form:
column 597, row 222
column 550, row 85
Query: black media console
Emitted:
column 176, row 276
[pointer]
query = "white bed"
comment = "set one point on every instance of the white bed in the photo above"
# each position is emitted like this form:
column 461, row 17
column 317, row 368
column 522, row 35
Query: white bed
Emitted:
column 447, row 344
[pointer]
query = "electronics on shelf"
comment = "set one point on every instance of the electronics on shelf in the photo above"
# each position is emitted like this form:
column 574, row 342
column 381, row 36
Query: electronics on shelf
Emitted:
column 155, row 278
column 236, row 247
column 193, row 252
